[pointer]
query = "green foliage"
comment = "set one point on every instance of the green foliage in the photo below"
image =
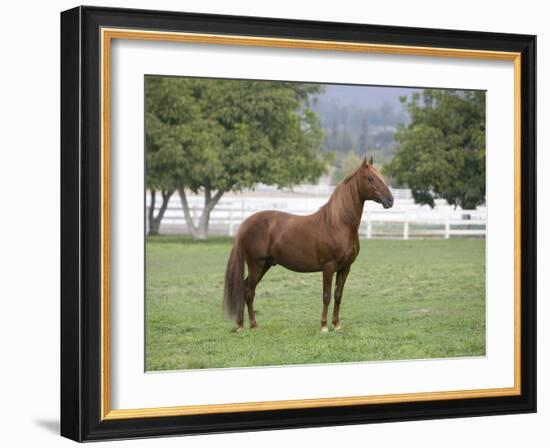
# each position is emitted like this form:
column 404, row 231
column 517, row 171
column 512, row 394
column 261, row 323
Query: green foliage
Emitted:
column 347, row 164
column 403, row 300
column 229, row 134
column 350, row 162
column 441, row 153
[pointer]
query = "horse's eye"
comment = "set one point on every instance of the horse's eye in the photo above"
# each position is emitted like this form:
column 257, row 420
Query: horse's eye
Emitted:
column 370, row 178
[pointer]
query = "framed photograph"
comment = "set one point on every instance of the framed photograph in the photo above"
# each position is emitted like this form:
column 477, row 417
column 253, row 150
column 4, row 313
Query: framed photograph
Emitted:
column 273, row 223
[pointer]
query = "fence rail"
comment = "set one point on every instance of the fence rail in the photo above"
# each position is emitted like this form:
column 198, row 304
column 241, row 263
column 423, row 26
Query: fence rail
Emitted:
column 406, row 220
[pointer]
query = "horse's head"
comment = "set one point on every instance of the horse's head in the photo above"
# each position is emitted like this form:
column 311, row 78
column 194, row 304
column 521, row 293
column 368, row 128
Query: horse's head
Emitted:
column 373, row 186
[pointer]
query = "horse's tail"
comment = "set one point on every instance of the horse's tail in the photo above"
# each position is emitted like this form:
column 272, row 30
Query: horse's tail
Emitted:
column 233, row 294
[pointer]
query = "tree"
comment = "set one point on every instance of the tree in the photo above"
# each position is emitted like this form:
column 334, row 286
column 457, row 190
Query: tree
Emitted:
column 214, row 136
column 348, row 163
column 441, row 153
column 163, row 107
column 167, row 101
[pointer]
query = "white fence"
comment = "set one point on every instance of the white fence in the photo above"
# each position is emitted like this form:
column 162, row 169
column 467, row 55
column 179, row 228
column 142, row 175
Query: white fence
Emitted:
column 404, row 220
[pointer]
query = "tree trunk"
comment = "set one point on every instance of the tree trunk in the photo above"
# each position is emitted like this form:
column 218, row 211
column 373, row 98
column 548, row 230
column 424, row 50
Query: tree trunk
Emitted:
column 199, row 231
column 202, row 227
column 151, row 212
column 186, row 212
column 154, row 221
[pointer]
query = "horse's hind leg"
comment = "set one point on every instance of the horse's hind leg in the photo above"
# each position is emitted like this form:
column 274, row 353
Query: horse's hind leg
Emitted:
column 341, row 277
column 255, row 274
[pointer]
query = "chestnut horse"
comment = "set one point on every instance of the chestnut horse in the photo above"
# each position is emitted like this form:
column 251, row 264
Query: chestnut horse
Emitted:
column 326, row 241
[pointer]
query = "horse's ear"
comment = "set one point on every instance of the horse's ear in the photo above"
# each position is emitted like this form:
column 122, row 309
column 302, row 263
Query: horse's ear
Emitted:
column 370, row 160
column 365, row 162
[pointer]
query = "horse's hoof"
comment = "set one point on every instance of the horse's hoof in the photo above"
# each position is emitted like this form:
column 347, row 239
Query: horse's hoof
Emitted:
column 324, row 330
column 239, row 329
column 254, row 327
column 337, row 327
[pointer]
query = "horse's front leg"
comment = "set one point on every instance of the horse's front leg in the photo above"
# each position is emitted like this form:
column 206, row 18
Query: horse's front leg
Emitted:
column 341, row 277
column 328, row 273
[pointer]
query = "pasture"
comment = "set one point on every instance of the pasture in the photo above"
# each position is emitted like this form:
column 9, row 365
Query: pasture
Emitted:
column 404, row 299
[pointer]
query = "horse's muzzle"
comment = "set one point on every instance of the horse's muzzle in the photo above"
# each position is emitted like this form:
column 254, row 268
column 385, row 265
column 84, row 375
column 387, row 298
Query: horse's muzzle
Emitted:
column 387, row 202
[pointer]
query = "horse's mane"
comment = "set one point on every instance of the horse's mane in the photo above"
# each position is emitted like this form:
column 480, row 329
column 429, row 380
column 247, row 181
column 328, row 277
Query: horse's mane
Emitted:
column 345, row 205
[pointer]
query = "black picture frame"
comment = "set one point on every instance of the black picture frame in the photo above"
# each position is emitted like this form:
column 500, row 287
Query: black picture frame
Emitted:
column 81, row 224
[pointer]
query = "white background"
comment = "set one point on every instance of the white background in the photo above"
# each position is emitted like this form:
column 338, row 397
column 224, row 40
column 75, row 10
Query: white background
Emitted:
column 132, row 388
column 29, row 235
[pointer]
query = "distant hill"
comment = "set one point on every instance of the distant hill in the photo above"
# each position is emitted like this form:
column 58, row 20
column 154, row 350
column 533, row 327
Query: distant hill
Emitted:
column 367, row 97
column 361, row 119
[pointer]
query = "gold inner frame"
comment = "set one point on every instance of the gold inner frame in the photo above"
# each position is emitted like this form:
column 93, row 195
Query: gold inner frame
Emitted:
column 107, row 35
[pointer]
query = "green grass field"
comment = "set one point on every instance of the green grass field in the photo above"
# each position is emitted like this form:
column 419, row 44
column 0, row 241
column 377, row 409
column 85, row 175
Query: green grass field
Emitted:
column 403, row 300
